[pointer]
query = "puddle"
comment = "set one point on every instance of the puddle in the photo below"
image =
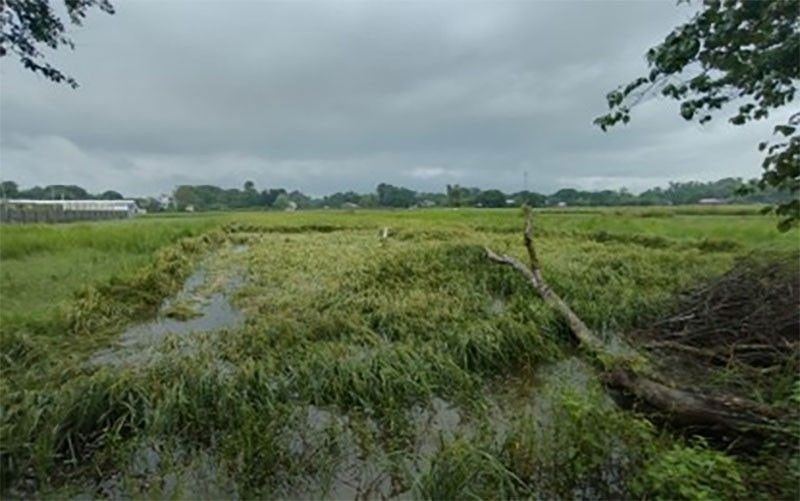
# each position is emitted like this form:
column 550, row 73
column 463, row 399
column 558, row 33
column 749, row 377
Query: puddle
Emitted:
column 342, row 456
column 351, row 473
column 538, row 407
column 190, row 311
column 201, row 478
column 174, row 473
column 366, row 471
column 434, row 424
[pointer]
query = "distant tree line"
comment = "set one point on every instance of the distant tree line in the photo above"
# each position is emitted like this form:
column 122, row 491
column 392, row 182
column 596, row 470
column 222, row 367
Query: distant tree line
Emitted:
column 204, row 197
column 10, row 189
column 209, row 197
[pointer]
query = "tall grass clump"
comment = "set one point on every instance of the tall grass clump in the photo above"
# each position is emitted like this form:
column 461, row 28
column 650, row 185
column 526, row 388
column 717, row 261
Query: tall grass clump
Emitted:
column 572, row 441
column 112, row 304
column 43, row 384
column 466, row 470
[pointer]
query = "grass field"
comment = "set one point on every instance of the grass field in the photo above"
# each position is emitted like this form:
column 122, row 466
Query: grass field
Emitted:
column 363, row 367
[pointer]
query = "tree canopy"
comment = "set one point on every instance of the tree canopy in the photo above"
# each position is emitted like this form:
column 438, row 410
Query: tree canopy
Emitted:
column 737, row 52
column 27, row 26
column 210, row 197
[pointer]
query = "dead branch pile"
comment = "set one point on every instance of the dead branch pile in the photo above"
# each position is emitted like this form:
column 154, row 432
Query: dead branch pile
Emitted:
column 748, row 317
column 725, row 413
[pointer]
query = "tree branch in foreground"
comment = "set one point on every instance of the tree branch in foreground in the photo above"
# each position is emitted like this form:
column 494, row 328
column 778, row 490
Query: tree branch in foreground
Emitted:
column 681, row 406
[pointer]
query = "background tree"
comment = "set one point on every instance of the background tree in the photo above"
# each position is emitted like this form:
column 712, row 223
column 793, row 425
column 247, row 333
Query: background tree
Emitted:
column 302, row 200
column 268, row 197
column 367, row 200
column 454, row 195
column 9, row 189
column 491, row 198
column 27, row 26
column 281, row 202
column 393, row 196
column 110, row 195
column 529, row 198
column 186, row 195
column 742, row 51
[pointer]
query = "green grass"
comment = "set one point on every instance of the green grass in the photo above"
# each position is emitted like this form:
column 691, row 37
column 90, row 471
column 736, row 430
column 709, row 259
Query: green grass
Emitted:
column 370, row 331
column 42, row 266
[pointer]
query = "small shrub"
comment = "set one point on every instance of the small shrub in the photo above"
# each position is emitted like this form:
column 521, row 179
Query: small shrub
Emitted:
column 690, row 472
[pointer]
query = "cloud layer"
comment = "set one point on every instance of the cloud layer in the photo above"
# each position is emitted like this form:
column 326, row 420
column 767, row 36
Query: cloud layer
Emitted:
column 335, row 95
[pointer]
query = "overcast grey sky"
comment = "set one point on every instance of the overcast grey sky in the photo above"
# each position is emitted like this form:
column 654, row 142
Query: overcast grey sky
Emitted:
column 334, row 95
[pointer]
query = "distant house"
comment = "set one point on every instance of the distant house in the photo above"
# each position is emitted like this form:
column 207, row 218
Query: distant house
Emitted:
column 427, row 203
column 711, row 201
column 562, row 204
column 165, row 201
column 189, row 208
column 511, row 201
column 350, row 205
column 291, row 206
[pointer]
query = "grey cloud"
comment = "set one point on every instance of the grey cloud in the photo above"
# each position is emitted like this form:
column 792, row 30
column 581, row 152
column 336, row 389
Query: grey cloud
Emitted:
column 331, row 95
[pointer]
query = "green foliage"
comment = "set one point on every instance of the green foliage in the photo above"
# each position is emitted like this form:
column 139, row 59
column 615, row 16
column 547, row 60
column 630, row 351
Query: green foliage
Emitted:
column 691, row 472
column 28, row 25
column 732, row 50
column 97, row 308
column 392, row 196
column 575, row 442
column 55, row 192
column 454, row 195
column 464, row 470
column 9, row 189
column 491, row 198
column 208, row 197
column 282, row 202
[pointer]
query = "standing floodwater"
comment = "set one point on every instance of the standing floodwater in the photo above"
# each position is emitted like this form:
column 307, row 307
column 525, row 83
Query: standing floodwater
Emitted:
column 194, row 309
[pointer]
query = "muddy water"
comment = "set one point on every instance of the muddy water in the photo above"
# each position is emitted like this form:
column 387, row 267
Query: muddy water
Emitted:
column 340, row 465
column 369, row 474
column 203, row 312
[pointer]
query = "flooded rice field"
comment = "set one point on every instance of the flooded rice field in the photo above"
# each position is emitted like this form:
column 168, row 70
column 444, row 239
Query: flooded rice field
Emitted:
column 341, row 365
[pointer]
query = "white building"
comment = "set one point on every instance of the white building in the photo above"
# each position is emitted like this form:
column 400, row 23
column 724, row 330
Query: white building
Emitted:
column 711, row 201
column 127, row 207
column 54, row 211
column 165, row 201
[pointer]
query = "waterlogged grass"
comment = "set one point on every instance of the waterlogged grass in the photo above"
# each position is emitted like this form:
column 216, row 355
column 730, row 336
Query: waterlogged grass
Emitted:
column 41, row 266
column 330, row 387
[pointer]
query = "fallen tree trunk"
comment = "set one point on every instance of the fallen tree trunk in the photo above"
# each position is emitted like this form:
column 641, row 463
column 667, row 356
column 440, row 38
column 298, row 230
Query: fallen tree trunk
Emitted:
column 726, row 413
column 688, row 408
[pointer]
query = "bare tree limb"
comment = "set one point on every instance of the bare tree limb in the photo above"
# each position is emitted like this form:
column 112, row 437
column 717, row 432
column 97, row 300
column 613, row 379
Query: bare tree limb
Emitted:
column 726, row 412
column 534, row 276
